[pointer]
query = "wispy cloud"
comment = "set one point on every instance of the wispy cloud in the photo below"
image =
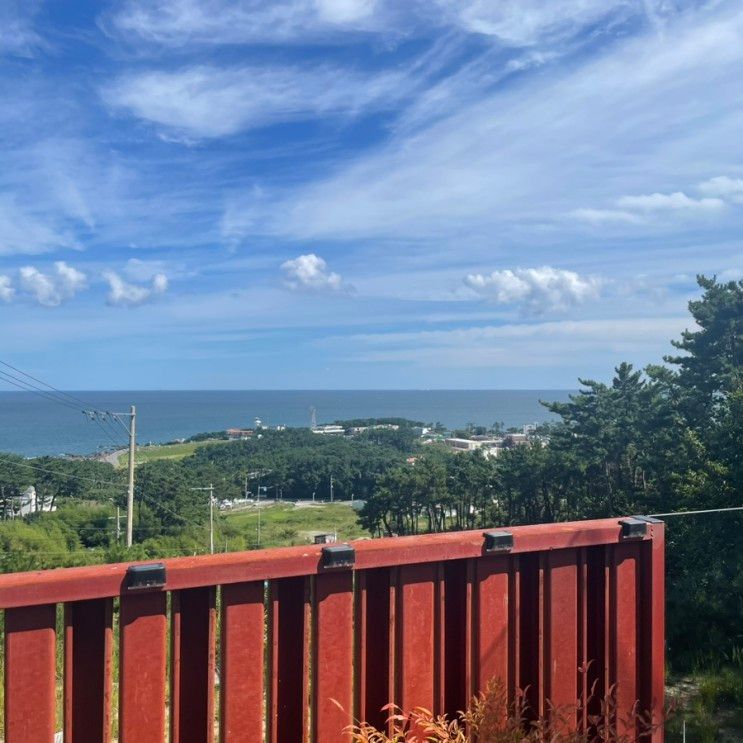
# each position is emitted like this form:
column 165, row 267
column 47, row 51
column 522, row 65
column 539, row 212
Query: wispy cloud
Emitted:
column 674, row 202
column 310, row 273
column 529, row 153
column 22, row 232
column 602, row 216
column 179, row 22
column 512, row 23
column 213, row 102
column 636, row 209
column 50, row 290
column 529, row 22
column 124, row 294
column 7, row 292
column 549, row 344
column 17, row 34
column 724, row 187
column 535, row 290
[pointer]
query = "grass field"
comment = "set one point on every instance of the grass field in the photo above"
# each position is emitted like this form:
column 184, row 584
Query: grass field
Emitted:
column 166, row 451
column 288, row 524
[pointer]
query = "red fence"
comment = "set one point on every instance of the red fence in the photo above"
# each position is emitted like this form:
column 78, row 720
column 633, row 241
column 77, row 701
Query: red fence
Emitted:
column 281, row 633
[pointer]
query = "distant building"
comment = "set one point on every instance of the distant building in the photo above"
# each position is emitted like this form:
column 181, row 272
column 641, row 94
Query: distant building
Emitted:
column 356, row 430
column 239, row 434
column 489, row 446
column 325, row 538
column 329, row 430
column 471, row 444
column 516, row 439
column 28, row 503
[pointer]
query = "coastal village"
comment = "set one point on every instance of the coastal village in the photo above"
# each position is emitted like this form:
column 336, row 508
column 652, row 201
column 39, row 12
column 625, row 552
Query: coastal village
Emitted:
column 460, row 440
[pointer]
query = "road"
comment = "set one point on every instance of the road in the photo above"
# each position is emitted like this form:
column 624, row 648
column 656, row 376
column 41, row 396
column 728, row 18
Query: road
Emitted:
column 113, row 457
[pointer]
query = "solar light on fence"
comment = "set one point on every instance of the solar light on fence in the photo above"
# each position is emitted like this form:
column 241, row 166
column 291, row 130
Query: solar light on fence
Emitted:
column 633, row 528
column 338, row 556
column 141, row 577
column 498, row 541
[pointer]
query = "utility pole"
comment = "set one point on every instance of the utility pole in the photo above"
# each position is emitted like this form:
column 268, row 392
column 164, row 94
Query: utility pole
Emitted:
column 331, row 488
column 210, row 490
column 258, row 495
column 118, row 524
column 211, row 518
column 130, row 489
column 106, row 416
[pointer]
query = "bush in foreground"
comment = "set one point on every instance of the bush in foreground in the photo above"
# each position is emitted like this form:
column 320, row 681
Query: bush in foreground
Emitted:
column 490, row 718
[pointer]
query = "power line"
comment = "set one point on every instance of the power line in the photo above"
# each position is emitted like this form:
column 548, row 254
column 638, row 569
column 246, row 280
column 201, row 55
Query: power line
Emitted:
column 162, row 507
column 95, row 480
column 99, row 417
column 74, row 399
column 695, row 513
column 116, row 442
column 28, row 387
column 62, row 398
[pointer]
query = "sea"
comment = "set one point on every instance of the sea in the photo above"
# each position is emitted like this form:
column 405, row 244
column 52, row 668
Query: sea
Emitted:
column 34, row 425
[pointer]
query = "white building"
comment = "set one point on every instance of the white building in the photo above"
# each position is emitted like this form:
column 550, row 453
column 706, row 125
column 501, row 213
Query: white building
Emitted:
column 329, row 430
column 28, row 503
column 490, row 447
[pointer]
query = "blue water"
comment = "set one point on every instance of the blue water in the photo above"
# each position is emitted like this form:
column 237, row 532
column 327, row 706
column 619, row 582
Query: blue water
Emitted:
column 32, row 425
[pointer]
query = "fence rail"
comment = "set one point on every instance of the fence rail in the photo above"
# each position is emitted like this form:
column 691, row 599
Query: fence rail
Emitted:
column 297, row 648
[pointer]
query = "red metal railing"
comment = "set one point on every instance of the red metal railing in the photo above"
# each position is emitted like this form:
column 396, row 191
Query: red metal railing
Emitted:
column 422, row 621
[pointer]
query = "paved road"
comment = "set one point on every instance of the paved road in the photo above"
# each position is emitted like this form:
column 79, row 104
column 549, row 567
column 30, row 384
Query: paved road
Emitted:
column 113, row 457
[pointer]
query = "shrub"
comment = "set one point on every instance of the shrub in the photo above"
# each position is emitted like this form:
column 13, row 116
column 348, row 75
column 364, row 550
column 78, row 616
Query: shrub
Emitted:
column 490, row 718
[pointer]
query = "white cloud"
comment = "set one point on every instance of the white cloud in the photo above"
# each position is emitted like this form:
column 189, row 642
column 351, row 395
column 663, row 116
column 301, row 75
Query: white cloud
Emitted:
column 730, row 274
column 528, row 22
column 345, row 12
column 179, row 22
column 545, row 344
column 17, row 36
column 730, row 189
column 528, row 153
column 214, row 102
column 124, row 294
column 603, row 216
column 310, row 272
column 22, row 232
column 536, row 290
column 677, row 201
column 515, row 23
column 7, row 292
column 636, row 209
column 51, row 290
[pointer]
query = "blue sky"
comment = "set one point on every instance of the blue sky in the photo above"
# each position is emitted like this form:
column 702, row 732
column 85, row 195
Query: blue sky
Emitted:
column 362, row 193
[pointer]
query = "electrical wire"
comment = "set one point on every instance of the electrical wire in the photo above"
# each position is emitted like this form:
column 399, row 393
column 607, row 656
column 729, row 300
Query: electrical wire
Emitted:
column 103, row 419
column 95, row 480
column 696, row 513
column 28, row 387
column 72, row 398
column 161, row 506
column 116, row 442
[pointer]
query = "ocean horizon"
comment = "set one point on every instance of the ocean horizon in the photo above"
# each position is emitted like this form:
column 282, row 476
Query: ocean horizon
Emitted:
column 32, row 425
